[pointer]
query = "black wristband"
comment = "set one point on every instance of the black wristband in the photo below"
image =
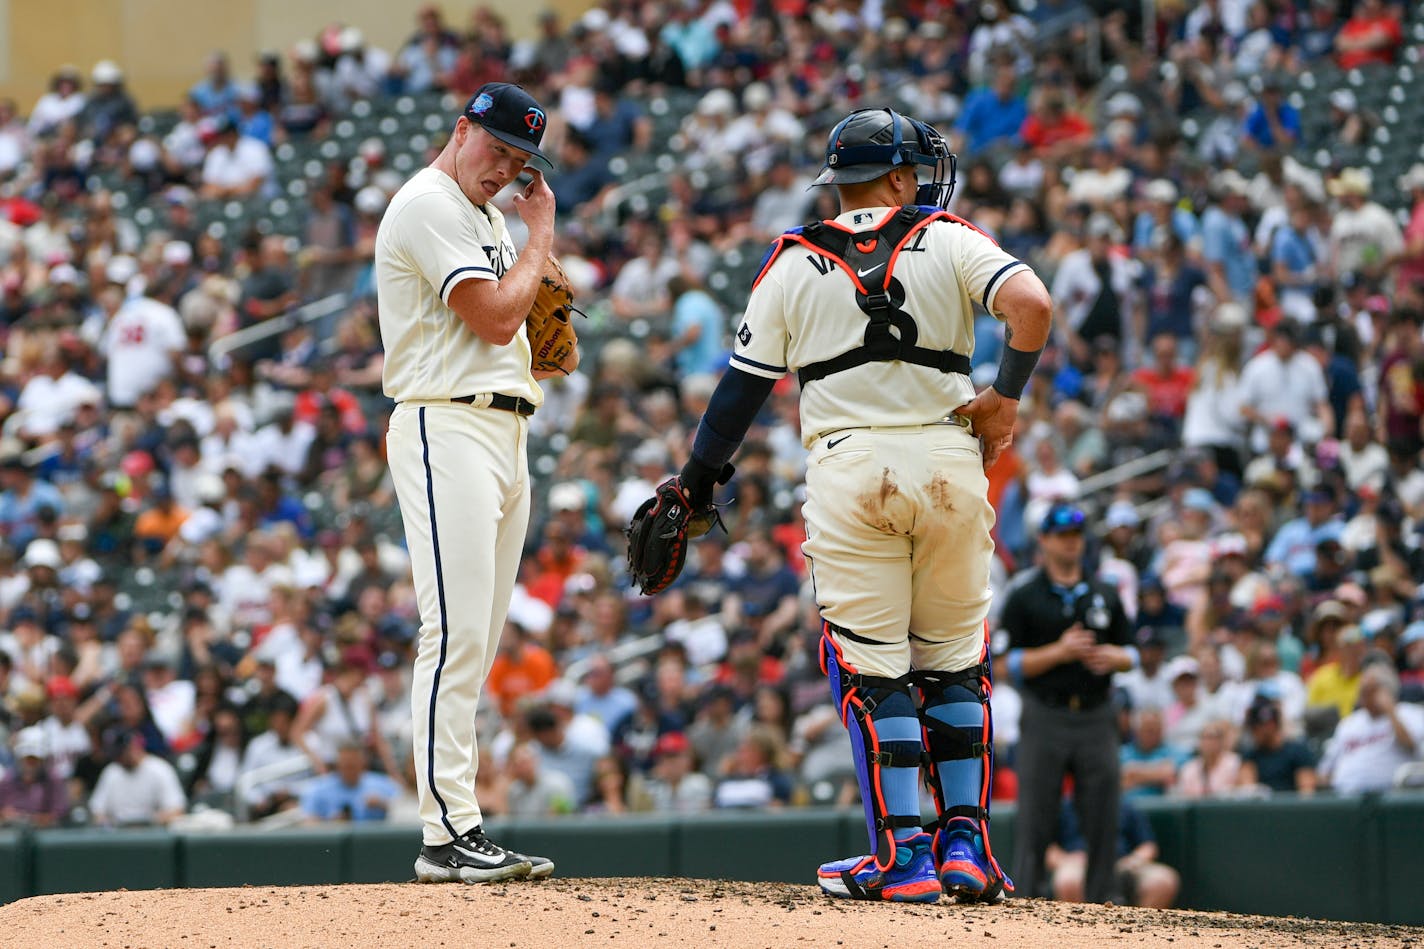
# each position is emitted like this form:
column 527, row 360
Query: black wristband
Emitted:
column 699, row 480
column 1015, row 369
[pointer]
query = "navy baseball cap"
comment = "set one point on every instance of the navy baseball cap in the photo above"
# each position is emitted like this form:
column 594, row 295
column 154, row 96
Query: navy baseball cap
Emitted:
column 1063, row 518
column 513, row 116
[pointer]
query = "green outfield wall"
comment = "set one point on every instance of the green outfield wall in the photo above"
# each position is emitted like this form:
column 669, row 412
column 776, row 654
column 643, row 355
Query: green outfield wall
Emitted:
column 1359, row 859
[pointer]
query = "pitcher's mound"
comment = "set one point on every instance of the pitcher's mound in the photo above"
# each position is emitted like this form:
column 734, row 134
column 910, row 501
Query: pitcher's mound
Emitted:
column 562, row 914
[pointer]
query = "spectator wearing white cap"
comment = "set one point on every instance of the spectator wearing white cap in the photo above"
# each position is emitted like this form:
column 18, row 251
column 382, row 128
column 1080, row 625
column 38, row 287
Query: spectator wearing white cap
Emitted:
column 109, row 107
column 360, row 71
column 1226, row 241
column 141, row 342
column 1162, row 213
column 32, row 795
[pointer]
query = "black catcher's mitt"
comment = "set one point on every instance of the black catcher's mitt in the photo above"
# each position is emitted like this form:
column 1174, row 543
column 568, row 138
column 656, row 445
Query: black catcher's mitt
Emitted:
column 659, row 532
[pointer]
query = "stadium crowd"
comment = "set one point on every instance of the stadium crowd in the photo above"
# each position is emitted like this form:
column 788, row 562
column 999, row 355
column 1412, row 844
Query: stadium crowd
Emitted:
column 204, row 606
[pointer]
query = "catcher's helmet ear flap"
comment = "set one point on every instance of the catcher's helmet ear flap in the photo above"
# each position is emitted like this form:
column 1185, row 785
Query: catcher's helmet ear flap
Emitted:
column 873, row 142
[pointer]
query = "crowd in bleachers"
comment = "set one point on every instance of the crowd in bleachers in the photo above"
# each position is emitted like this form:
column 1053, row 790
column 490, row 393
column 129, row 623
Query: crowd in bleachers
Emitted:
column 205, row 607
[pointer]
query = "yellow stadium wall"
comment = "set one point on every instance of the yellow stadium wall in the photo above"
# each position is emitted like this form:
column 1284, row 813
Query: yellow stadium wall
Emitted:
column 161, row 45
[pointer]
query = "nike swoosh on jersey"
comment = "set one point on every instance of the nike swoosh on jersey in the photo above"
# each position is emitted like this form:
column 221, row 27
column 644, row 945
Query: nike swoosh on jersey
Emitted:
column 833, row 443
column 487, row 859
column 863, row 273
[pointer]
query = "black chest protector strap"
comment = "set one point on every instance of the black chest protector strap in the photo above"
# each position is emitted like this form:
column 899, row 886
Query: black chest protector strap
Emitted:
column 868, row 258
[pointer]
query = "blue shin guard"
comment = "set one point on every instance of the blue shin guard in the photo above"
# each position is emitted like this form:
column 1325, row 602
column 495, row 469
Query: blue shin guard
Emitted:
column 958, row 730
column 886, row 741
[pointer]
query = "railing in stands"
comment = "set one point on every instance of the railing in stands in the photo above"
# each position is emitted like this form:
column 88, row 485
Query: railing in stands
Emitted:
column 306, row 313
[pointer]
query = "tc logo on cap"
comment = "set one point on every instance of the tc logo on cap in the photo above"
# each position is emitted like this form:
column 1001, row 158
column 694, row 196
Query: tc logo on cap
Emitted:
column 534, row 118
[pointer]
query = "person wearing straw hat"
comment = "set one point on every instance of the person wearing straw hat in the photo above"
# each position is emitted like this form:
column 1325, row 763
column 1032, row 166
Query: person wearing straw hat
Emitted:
column 1363, row 236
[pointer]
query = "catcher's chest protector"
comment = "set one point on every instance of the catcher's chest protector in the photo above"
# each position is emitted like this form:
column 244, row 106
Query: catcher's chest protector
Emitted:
column 868, row 258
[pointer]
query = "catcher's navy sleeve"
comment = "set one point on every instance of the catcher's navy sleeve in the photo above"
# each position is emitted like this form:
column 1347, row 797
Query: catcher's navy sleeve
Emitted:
column 734, row 404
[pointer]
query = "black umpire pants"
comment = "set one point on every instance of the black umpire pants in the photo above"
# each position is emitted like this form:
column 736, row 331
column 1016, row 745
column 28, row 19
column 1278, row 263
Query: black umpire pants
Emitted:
column 1053, row 742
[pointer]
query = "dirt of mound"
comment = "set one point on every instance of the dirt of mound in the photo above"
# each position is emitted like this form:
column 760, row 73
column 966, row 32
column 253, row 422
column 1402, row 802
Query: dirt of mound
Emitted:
column 562, row 914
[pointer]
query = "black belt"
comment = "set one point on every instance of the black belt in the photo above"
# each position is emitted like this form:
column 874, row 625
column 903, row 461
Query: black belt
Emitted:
column 1071, row 701
column 508, row 403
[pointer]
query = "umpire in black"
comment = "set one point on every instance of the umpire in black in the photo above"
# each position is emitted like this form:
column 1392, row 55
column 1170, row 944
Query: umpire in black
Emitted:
column 1067, row 635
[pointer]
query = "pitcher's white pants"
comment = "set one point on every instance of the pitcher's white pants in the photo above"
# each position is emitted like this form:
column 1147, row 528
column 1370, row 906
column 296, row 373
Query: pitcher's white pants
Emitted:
column 462, row 477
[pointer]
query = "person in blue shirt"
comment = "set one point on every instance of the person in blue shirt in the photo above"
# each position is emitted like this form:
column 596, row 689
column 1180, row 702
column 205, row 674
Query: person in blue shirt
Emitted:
column 22, row 496
column 1294, row 544
column 697, row 327
column 350, row 792
column 602, row 697
column 1274, row 123
column 217, row 93
column 992, row 114
column 1149, row 765
column 1293, row 265
column 1226, row 242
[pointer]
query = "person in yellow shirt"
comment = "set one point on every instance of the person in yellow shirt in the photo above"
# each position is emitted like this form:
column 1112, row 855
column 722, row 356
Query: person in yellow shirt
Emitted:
column 1337, row 681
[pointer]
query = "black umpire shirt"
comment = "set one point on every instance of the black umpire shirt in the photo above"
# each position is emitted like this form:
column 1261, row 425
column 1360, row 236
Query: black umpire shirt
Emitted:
column 1036, row 612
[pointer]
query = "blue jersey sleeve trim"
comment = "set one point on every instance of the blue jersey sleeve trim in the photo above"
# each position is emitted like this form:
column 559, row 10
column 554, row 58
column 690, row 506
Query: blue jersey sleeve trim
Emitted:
column 757, row 365
column 459, row 270
column 989, row 287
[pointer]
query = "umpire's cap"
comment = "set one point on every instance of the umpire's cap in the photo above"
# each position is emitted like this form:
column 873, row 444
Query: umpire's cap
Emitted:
column 513, row 116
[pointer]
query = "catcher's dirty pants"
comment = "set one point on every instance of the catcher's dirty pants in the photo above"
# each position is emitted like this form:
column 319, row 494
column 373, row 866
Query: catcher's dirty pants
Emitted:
column 462, row 479
column 897, row 527
column 1055, row 741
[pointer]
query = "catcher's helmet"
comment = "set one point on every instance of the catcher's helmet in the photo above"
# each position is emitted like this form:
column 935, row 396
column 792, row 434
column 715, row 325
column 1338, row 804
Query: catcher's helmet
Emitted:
column 872, row 142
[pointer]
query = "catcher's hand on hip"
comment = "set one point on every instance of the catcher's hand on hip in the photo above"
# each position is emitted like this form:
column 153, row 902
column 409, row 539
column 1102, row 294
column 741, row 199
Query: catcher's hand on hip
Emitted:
column 992, row 417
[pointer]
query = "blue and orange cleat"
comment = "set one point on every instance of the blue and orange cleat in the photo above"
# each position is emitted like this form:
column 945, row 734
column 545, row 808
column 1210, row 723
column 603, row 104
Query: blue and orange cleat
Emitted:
column 965, row 871
column 911, row 880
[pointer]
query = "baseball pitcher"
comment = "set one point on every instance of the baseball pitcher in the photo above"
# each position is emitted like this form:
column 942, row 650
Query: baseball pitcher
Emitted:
column 873, row 312
column 454, row 296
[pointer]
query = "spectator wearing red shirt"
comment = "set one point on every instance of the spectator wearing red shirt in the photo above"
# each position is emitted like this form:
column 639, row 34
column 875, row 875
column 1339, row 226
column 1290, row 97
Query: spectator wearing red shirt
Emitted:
column 1165, row 382
column 1373, row 35
column 1053, row 131
column 558, row 559
column 324, row 391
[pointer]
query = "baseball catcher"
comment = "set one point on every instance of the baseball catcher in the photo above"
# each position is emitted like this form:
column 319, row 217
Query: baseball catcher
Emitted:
column 552, row 338
column 873, row 311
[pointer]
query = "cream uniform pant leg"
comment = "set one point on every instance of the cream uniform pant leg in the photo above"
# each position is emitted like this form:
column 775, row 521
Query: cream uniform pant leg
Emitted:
column 462, row 479
column 898, row 538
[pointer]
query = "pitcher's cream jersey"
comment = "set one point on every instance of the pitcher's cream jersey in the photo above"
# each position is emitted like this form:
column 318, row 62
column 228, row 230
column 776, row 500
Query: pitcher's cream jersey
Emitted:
column 803, row 311
column 430, row 239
